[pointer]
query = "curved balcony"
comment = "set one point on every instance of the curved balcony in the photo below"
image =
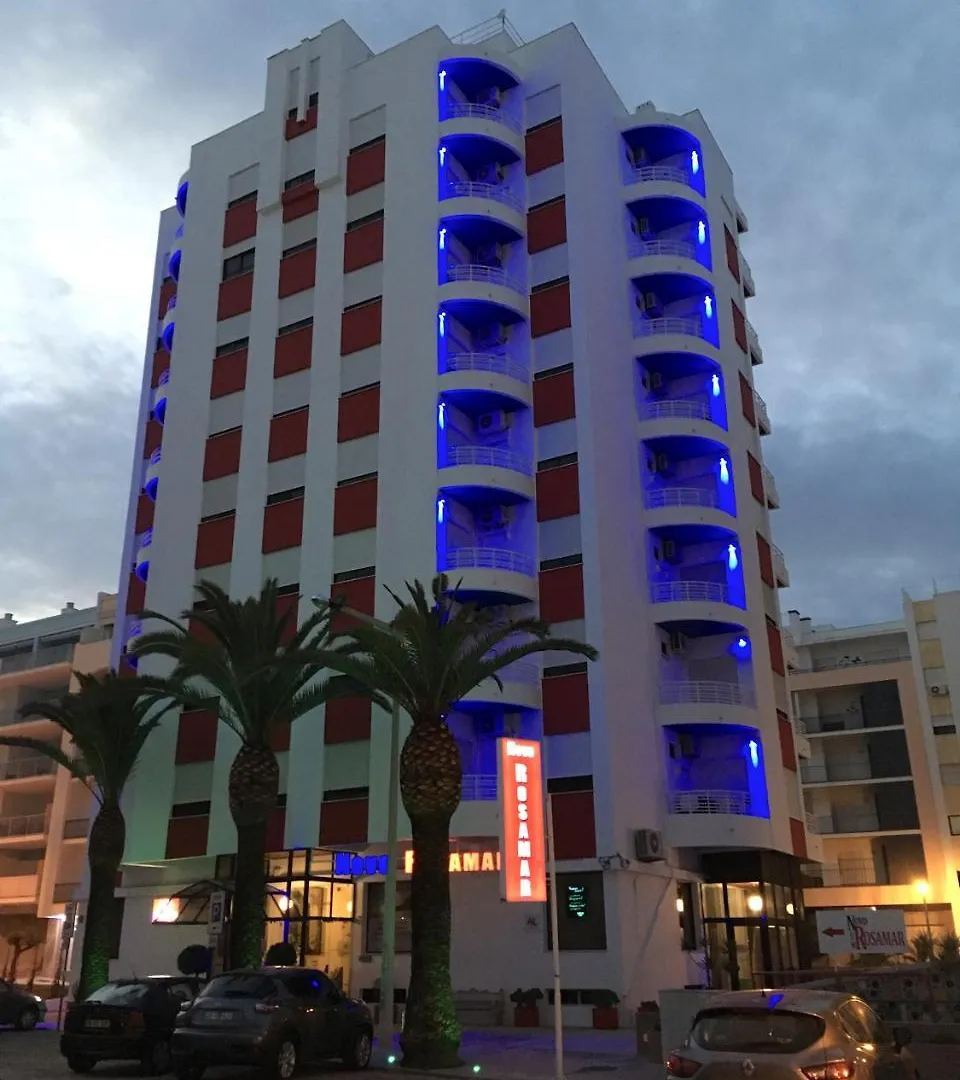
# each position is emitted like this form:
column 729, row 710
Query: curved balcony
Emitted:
column 686, row 505
column 521, row 687
column 183, row 188
column 485, row 284
column 502, row 365
column 141, row 560
column 489, row 121
column 36, row 767
column 689, row 592
column 710, row 817
column 469, row 467
column 478, row 199
column 705, row 701
column 683, row 417
column 661, row 157
column 151, row 476
column 176, row 255
column 159, row 410
column 166, row 326
column 492, row 573
column 663, row 256
column 671, row 326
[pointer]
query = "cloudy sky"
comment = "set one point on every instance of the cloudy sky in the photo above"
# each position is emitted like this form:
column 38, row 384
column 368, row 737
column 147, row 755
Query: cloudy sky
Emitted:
column 837, row 116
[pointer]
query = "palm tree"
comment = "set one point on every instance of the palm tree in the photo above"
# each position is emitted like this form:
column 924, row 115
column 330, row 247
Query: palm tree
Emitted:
column 108, row 720
column 429, row 657
column 263, row 671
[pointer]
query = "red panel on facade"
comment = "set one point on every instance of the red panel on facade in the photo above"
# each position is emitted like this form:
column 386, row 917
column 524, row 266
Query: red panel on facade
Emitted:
column 145, row 511
column 288, row 434
column 561, row 594
column 236, row 296
column 547, row 225
column 196, row 736
column 575, row 833
column 756, row 478
column 187, row 837
column 214, row 542
column 222, row 454
column 289, row 603
column 291, row 352
column 229, row 373
column 168, row 289
column 198, row 630
column 775, row 643
column 297, row 272
column 550, row 309
column 798, row 838
column 136, row 595
column 553, row 399
column 788, row 752
column 366, row 166
column 733, row 254
column 360, row 327
column 295, row 127
column 766, row 561
column 300, row 200
column 240, row 221
column 282, row 525
column 152, row 437
column 746, row 400
column 566, row 704
column 358, row 414
column 280, row 739
column 544, row 146
column 355, row 507
column 276, row 826
column 739, row 326
column 558, row 493
column 161, row 363
column 363, row 246
column 359, row 594
column 343, row 821
column 347, row 720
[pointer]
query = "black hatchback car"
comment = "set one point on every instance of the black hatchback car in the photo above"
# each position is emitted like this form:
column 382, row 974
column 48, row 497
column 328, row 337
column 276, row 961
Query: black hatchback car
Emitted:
column 275, row 1018
column 126, row 1020
column 19, row 1007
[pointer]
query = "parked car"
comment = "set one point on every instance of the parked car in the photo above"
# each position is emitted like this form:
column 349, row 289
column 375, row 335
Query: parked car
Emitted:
column 126, row 1020
column 275, row 1018
column 792, row 1035
column 19, row 1007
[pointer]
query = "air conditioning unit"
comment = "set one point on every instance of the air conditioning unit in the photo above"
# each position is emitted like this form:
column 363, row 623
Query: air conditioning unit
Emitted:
column 492, row 519
column 661, row 463
column 940, row 691
column 492, row 423
column 640, row 226
column 648, row 845
column 677, row 642
column 494, row 96
column 670, row 553
column 688, row 748
column 636, row 155
column 648, row 302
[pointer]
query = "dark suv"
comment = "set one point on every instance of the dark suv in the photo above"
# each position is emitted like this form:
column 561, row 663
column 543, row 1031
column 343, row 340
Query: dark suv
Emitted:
column 276, row 1018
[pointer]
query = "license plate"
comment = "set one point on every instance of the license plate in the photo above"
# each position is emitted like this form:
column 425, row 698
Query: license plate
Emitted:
column 101, row 1024
column 219, row 1015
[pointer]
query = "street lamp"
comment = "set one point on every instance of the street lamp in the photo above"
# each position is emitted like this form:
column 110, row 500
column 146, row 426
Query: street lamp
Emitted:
column 388, row 944
column 755, row 903
column 923, row 891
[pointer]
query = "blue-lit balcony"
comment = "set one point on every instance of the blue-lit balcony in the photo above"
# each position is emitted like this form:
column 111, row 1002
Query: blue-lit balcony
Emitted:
column 672, row 312
column 141, row 561
column 660, row 159
column 151, row 475
column 481, row 177
column 159, row 410
column 482, row 259
column 479, row 97
column 706, row 673
column 687, row 474
column 695, row 572
column 680, row 393
column 485, row 441
column 673, row 230
column 166, row 325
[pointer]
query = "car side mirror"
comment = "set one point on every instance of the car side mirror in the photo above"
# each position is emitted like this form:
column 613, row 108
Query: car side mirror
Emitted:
column 902, row 1036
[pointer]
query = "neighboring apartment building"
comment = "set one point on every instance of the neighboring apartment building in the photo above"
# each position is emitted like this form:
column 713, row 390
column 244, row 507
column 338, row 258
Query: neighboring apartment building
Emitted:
column 44, row 812
column 453, row 307
column 873, row 702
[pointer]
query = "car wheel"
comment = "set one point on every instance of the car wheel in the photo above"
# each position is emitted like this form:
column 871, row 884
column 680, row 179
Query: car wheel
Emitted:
column 79, row 1064
column 359, row 1052
column 156, row 1060
column 28, row 1019
column 287, row 1058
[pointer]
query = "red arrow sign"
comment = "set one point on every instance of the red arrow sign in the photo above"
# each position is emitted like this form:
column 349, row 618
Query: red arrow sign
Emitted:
column 832, row 931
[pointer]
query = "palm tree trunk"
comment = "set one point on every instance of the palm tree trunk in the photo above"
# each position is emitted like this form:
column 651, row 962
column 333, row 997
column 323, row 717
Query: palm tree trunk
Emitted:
column 247, row 910
column 431, row 1032
column 107, row 840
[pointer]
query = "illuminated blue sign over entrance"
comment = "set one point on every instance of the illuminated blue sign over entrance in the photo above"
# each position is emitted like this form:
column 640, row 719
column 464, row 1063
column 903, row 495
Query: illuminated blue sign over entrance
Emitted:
column 347, row 864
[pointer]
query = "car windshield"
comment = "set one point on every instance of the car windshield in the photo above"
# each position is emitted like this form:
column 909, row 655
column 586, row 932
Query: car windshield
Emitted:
column 129, row 994
column 767, row 1031
column 252, row 987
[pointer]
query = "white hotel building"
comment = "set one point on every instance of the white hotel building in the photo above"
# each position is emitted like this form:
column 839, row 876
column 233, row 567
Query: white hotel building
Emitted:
column 454, row 307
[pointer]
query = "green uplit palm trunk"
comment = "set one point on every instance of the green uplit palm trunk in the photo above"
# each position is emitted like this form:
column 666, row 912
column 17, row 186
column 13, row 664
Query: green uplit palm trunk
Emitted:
column 104, row 855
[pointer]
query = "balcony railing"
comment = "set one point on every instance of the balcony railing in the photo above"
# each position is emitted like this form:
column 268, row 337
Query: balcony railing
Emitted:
column 704, row 692
column 780, row 571
column 23, row 825
column 691, row 325
column 478, row 788
column 709, row 802
column 495, row 363
column 473, row 111
column 21, row 768
column 770, row 488
column 839, row 772
column 831, row 663
column 44, row 656
column 852, row 821
column 811, row 821
column 642, row 249
column 494, row 457
column 477, row 558
column 746, row 276
column 753, row 342
column 763, row 417
column 833, row 875
column 690, row 592
column 682, row 409
column 477, row 189
column 485, row 275
column 661, row 497
column 76, row 829
column 660, row 174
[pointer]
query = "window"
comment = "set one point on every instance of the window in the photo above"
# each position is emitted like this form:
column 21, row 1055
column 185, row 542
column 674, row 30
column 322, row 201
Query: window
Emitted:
column 251, row 196
column 285, row 496
column 307, row 245
column 292, row 328
column 310, row 985
column 369, row 219
column 581, row 917
column 239, row 264
column 232, row 346
column 240, row 987
column 303, row 178
column 756, row 1031
column 373, row 931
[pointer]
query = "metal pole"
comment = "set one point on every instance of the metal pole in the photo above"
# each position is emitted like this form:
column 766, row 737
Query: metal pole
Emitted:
column 389, row 942
column 926, row 916
column 555, row 942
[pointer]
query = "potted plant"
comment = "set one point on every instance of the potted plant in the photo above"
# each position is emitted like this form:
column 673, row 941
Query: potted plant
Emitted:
column 526, row 1011
column 606, row 1016
column 648, row 1031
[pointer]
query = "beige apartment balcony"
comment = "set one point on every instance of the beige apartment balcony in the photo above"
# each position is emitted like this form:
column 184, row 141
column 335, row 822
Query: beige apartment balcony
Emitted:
column 762, row 414
column 780, row 572
column 753, row 344
column 746, row 277
column 23, row 830
column 770, row 489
